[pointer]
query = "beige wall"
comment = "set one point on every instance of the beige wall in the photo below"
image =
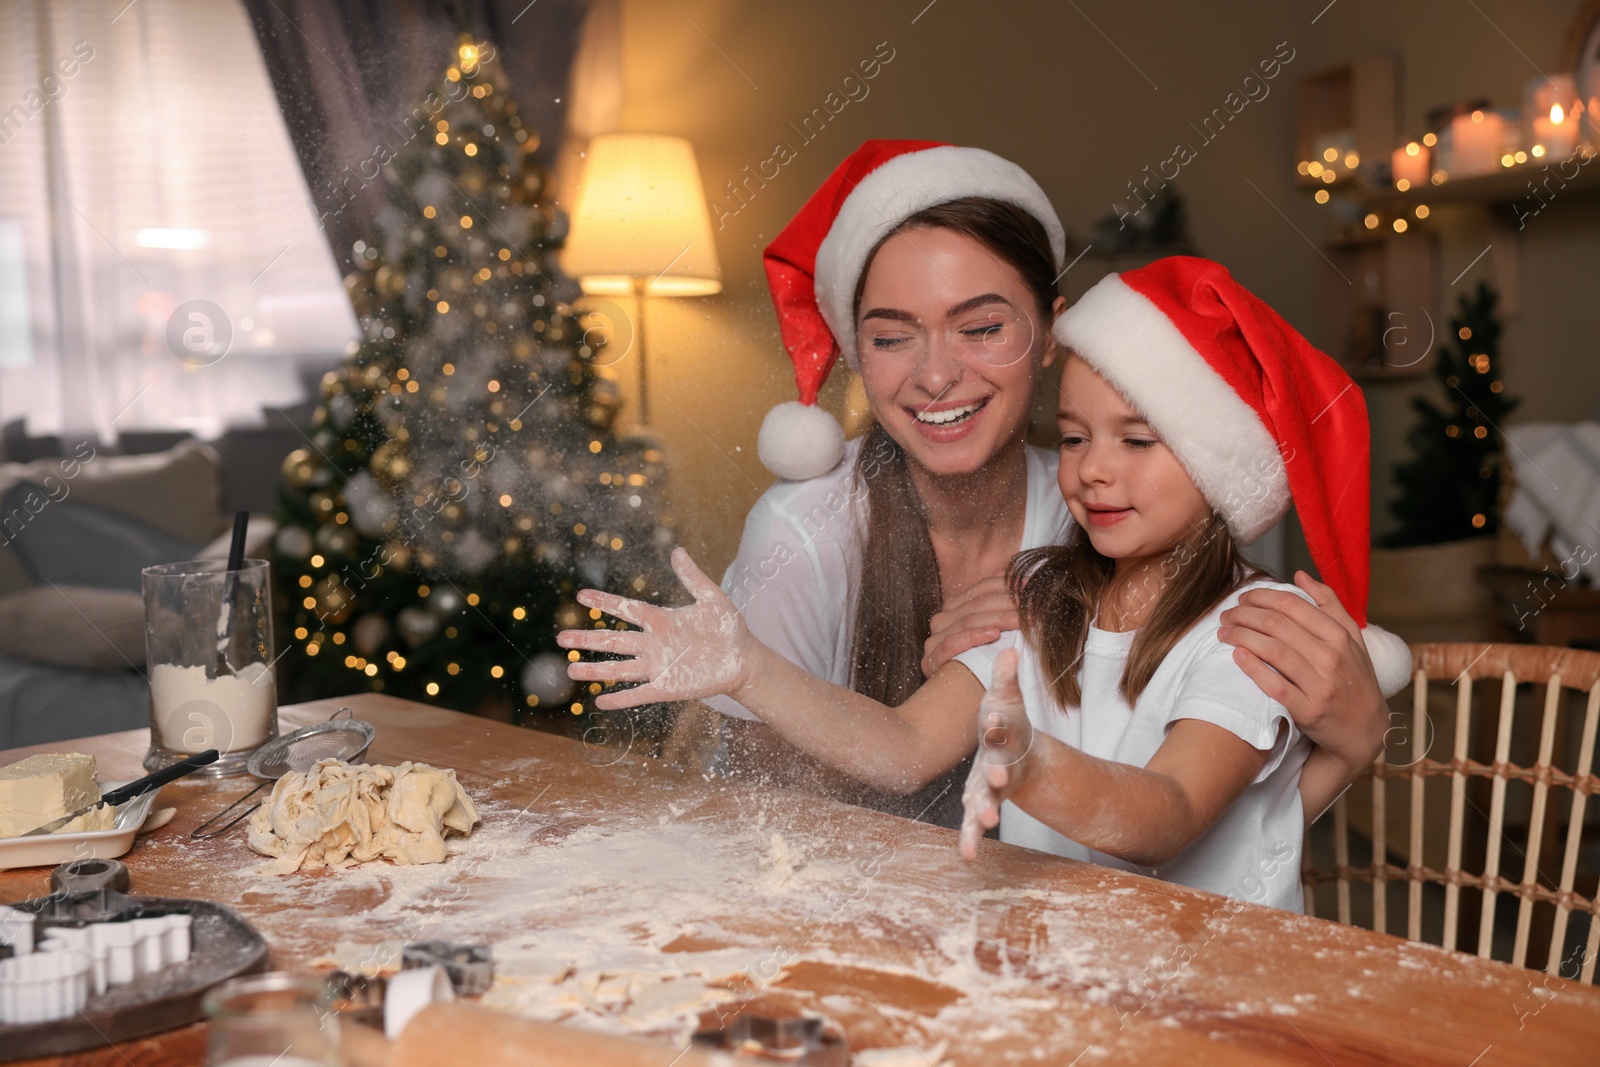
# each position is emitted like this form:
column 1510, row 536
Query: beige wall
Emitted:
column 1084, row 107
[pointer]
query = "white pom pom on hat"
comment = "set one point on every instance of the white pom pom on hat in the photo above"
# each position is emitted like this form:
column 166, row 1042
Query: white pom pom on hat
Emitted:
column 800, row 441
column 1391, row 658
column 813, row 267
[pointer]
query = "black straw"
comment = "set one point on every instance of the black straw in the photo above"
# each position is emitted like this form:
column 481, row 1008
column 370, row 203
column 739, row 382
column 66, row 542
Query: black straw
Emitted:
column 241, row 522
column 230, row 587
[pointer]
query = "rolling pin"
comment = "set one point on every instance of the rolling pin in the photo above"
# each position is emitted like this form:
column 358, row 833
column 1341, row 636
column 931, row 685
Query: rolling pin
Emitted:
column 461, row 1032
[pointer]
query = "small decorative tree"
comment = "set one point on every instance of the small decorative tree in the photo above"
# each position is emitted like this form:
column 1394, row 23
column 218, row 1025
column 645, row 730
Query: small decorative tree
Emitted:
column 463, row 479
column 1450, row 490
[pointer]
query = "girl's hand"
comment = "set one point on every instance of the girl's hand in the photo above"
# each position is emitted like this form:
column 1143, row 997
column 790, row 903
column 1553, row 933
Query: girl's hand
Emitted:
column 978, row 616
column 1313, row 661
column 679, row 653
column 1005, row 742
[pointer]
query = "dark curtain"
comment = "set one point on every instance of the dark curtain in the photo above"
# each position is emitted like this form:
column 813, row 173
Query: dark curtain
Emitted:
column 345, row 71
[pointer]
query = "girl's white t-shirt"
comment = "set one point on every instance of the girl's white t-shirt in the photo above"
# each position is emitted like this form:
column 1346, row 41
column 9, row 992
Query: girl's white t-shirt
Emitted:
column 1252, row 851
column 799, row 563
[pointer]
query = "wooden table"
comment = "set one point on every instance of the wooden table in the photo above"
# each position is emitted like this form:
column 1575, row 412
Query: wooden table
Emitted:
column 1018, row 957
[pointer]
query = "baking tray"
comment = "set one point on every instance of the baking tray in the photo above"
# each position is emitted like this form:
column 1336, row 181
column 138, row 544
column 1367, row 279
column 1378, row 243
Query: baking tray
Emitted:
column 224, row 946
column 47, row 850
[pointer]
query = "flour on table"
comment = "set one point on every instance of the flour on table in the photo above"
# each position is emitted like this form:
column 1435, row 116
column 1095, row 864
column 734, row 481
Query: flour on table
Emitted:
column 786, row 868
column 610, row 921
column 339, row 814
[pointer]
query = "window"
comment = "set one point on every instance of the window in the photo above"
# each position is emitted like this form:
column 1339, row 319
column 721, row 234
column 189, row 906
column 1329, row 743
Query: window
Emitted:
column 161, row 265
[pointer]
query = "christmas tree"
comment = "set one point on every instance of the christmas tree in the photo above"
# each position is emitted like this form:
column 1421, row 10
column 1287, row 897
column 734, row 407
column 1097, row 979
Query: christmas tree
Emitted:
column 463, row 479
column 1451, row 489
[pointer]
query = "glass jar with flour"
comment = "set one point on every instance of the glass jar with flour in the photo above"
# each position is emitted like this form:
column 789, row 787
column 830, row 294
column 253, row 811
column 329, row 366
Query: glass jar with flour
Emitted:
column 208, row 651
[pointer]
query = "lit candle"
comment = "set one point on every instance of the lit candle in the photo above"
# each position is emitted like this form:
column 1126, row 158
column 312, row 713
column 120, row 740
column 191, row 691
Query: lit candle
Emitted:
column 1548, row 89
column 1558, row 133
column 1410, row 166
column 1476, row 140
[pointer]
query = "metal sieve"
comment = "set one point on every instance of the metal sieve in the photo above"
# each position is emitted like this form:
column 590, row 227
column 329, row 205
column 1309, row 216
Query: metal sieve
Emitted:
column 346, row 739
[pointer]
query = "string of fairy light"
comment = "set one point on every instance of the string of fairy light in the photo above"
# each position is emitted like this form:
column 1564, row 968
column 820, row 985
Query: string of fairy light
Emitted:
column 1481, row 364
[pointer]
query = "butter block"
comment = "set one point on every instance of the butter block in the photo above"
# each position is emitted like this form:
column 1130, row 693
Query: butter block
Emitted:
column 41, row 788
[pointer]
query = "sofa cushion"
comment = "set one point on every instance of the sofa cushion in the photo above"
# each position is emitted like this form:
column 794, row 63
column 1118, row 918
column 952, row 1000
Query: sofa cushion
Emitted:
column 73, row 626
column 70, row 542
column 178, row 491
column 43, row 704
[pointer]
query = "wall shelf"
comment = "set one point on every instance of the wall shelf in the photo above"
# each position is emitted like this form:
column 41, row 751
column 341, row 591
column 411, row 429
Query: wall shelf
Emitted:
column 1505, row 186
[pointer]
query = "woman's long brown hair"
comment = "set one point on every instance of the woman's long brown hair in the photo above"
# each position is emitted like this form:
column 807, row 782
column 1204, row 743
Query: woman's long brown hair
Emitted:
column 899, row 589
column 1059, row 589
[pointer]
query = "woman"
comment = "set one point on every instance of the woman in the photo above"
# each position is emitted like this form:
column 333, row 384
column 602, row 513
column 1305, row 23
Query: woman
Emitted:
column 932, row 269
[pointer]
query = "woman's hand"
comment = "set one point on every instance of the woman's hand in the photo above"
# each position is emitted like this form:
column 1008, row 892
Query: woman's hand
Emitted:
column 684, row 653
column 1005, row 744
column 978, row 616
column 1312, row 660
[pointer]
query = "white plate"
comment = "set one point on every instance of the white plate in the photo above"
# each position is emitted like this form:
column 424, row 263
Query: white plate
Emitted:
column 48, row 850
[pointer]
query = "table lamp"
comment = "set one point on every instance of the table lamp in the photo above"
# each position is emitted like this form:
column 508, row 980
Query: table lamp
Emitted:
column 641, row 226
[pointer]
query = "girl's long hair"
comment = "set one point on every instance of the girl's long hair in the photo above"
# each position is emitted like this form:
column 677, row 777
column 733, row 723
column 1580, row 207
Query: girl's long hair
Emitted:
column 899, row 589
column 1059, row 588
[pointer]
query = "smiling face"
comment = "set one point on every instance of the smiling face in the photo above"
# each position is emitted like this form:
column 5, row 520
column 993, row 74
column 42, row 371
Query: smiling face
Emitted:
column 1122, row 484
column 950, row 346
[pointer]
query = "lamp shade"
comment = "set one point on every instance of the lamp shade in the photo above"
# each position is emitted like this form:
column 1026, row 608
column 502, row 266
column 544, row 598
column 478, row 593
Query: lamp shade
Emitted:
column 641, row 217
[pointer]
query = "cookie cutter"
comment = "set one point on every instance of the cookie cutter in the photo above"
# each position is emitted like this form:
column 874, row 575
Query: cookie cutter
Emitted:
column 43, row 987
column 469, row 967
column 804, row 1040
column 86, row 891
column 89, row 875
column 84, row 938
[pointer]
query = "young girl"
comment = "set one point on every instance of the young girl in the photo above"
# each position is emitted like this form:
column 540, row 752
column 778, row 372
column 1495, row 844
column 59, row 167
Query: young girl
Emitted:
column 1190, row 415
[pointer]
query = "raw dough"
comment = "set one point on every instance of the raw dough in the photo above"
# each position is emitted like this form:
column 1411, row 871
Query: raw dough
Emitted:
column 648, row 998
column 370, row 961
column 339, row 814
column 903, row 1057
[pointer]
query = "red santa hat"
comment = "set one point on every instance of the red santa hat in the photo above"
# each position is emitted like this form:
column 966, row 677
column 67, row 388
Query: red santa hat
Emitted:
column 814, row 264
column 1258, row 417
